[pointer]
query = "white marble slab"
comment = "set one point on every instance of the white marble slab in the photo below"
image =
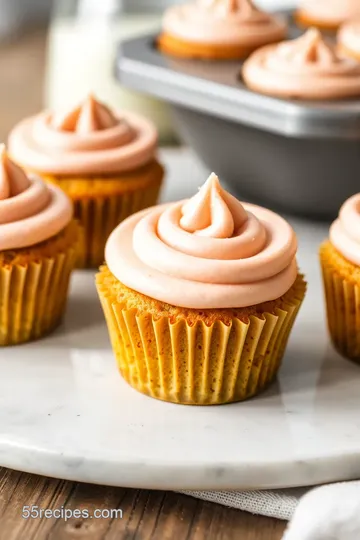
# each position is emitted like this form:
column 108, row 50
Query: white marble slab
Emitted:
column 65, row 411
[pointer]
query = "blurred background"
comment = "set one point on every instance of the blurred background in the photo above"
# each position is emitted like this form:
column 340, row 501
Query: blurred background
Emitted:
column 54, row 53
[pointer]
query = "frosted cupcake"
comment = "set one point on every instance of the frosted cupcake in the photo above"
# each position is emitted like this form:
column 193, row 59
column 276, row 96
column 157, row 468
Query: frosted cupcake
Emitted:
column 306, row 68
column 200, row 297
column 105, row 161
column 38, row 241
column 326, row 14
column 349, row 39
column 218, row 29
column 340, row 261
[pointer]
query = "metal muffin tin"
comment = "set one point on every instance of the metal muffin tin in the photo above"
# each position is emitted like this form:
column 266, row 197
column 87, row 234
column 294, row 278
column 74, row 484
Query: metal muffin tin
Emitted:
column 299, row 156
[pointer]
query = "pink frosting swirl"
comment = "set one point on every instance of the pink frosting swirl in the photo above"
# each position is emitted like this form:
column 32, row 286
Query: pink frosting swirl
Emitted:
column 345, row 231
column 30, row 210
column 87, row 140
column 208, row 252
column 333, row 12
column 305, row 68
column 349, row 36
column 223, row 22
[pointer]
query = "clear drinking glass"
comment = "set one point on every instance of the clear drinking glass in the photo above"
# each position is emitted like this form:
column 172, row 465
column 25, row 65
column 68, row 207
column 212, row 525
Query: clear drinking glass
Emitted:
column 82, row 45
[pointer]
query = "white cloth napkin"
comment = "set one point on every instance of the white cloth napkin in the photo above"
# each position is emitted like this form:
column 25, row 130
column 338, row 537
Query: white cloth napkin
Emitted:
column 325, row 513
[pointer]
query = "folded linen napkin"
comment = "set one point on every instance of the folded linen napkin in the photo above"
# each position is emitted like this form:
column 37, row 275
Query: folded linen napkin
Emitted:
column 330, row 512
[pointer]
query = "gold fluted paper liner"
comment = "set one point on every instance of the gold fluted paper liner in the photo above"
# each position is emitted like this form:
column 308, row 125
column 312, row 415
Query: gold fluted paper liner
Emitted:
column 100, row 204
column 179, row 48
column 342, row 294
column 197, row 363
column 34, row 285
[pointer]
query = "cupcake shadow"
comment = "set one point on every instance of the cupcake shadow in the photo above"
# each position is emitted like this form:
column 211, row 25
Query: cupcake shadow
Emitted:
column 83, row 326
column 315, row 368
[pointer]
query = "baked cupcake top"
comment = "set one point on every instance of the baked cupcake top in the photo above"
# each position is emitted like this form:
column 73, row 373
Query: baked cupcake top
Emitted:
column 223, row 22
column 30, row 210
column 211, row 251
column 349, row 36
column 345, row 231
column 90, row 139
column 332, row 12
column 303, row 68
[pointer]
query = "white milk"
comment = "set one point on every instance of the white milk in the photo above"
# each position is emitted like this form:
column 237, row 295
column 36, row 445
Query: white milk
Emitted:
column 81, row 57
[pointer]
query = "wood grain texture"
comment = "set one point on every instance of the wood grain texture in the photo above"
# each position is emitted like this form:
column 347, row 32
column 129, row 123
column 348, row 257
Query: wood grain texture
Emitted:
column 146, row 515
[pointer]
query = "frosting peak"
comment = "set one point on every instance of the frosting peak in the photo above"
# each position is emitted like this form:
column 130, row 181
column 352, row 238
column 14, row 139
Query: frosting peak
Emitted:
column 89, row 116
column 30, row 211
column 223, row 23
column 87, row 140
column 213, row 212
column 244, row 8
column 310, row 48
column 209, row 252
column 305, row 68
column 13, row 180
column 310, row 51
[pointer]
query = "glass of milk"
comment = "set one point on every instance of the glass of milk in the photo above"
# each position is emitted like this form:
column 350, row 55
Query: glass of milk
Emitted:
column 82, row 45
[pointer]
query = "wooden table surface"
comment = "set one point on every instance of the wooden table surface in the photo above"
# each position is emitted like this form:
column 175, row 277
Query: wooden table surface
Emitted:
column 146, row 515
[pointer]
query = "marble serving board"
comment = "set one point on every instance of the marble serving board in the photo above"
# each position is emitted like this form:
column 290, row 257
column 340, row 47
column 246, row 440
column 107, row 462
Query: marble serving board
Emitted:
column 65, row 411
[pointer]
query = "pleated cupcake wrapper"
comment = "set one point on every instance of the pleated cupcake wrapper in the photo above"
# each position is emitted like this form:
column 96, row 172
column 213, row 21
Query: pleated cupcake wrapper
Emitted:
column 343, row 310
column 176, row 47
column 33, row 297
column 199, row 364
column 99, row 217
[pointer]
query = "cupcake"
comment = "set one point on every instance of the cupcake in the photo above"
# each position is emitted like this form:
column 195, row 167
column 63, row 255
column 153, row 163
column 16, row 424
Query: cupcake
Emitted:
column 306, row 68
column 200, row 297
column 326, row 14
column 349, row 39
column 340, row 261
column 105, row 162
column 38, row 242
column 218, row 29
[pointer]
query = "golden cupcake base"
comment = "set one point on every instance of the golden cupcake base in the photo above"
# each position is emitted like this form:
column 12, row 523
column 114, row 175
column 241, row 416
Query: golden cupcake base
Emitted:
column 174, row 46
column 305, row 21
column 34, row 285
column 194, row 357
column 101, row 203
column 342, row 294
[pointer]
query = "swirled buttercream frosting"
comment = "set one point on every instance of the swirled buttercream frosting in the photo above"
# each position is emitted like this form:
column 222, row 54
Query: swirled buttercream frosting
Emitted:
column 223, row 22
column 345, row 231
column 333, row 12
column 305, row 68
column 211, row 251
column 30, row 211
column 90, row 139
